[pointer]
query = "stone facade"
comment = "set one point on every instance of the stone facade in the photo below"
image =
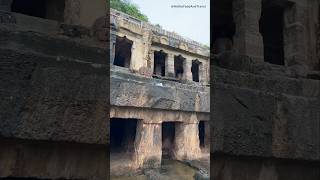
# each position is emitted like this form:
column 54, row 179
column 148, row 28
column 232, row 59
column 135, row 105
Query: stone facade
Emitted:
column 243, row 22
column 54, row 90
column 265, row 114
column 163, row 82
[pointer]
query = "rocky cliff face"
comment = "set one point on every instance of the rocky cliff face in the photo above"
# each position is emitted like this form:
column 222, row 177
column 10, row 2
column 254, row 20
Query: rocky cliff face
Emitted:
column 266, row 121
column 53, row 108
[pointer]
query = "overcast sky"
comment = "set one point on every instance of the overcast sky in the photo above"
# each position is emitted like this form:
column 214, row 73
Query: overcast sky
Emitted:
column 193, row 23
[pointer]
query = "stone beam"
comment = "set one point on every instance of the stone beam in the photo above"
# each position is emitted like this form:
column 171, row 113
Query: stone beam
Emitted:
column 157, row 115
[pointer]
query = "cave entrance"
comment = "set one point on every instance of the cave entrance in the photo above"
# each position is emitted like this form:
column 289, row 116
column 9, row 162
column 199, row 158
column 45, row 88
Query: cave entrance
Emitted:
column 123, row 52
column 178, row 66
column 48, row 9
column 271, row 28
column 159, row 63
column 168, row 139
column 224, row 27
column 195, row 68
column 122, row 135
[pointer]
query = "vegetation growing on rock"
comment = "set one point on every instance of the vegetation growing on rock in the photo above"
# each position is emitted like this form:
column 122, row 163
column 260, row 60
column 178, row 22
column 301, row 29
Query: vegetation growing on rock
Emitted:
column 129, row 8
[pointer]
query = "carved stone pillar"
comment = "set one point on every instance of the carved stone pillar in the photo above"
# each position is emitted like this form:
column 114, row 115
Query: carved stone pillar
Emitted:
column 187, row 144
column 170, row 66
column 295, row 36
column 187, row 69
column 151, row 61
column 207, row 135
column 148, row 145
column 113, row 38
column 248, row 40
column 72, row 12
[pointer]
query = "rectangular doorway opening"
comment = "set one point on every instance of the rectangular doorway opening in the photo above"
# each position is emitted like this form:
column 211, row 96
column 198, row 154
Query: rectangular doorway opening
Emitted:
column 122, row 143
column 123, row 52
column 223, row 26
column 122, row 135
column 159, row 63
column 168, row 139
column 195, row 68
column 272, row 28
column 202, row 134
column 178, row 66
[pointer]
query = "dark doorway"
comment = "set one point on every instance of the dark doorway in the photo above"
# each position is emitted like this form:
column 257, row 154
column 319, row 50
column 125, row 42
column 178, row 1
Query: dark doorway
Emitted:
column 159, row 63
column 178, row 66
column 202, row 133
column 35, row 8
column 223, row 26
column 271, row 29
column 168, row 136
column 122, row 134
column 48, row 9
column 123, row 52
column 195, row 68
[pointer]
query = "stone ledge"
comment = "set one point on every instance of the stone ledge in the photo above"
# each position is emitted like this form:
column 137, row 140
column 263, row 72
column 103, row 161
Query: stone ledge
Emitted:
column 272, row 84
column 52, row 46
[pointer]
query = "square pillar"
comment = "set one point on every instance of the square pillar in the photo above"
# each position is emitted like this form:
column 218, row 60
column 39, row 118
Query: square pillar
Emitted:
column 202, row 73
column 187, row 69
column 207, row 135
column 151, row 61
column 296, row 37
column 148, row 145
column 247, row 39
column 113, row 38
column 187, row 144
column 170, row 65
column 72, row 12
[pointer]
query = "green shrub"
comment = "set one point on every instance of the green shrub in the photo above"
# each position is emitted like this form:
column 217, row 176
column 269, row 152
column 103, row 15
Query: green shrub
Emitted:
column 128, row 8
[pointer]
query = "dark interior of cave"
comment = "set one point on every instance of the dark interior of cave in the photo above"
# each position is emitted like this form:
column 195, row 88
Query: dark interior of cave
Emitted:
column 195, row 70
column 123, row 52
column 202, row 133
column 48, row 9
column 271, row 28
column 122, row 134
column 178, row 66
column 168, row 136
column 159, row 63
